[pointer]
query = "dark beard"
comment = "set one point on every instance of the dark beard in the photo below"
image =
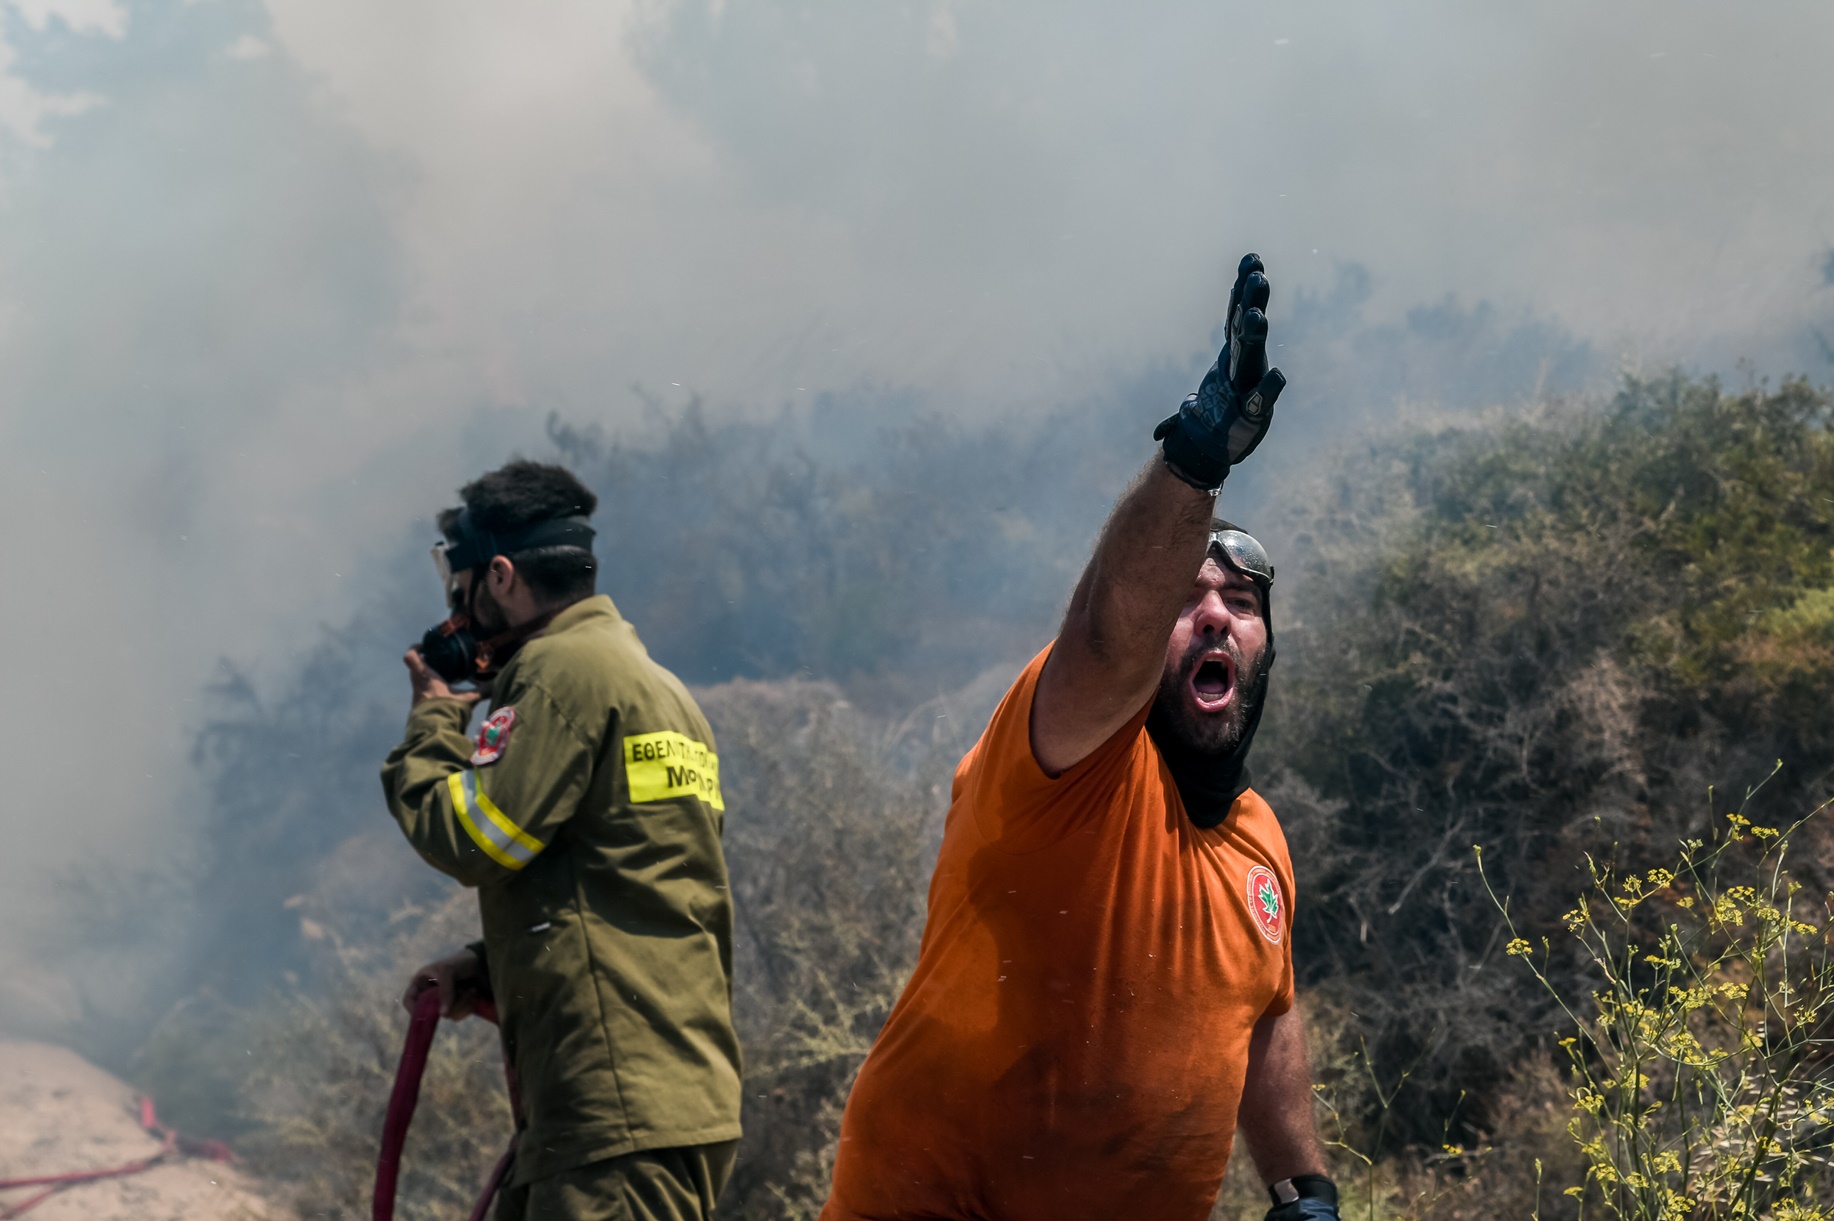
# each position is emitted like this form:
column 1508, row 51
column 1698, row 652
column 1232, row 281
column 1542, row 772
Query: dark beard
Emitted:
column 1204, row 735
column 487, row 617
column 1208, row 760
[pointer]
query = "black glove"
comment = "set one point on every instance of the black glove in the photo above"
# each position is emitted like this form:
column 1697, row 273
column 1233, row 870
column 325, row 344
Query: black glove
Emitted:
column 1223, row 422
column 1304, row 1197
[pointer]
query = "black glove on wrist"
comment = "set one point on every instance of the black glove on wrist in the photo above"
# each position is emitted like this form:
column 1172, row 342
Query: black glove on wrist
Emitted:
column 1223, row 422
column 1304, row 1197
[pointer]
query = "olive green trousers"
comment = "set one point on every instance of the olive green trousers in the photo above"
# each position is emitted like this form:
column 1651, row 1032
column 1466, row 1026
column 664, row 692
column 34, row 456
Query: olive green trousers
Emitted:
column 651, row 1185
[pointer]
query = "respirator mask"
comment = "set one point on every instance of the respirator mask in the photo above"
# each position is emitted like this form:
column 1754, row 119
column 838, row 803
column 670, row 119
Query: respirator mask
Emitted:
column 452, row 648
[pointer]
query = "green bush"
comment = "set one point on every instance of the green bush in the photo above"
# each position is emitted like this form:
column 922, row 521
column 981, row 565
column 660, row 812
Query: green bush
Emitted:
column 1546, row 632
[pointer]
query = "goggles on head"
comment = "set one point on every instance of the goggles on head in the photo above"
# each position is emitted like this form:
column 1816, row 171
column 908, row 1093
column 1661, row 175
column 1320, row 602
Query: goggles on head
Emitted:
column 1244, row 553
column 473, row 546
column 442, row 564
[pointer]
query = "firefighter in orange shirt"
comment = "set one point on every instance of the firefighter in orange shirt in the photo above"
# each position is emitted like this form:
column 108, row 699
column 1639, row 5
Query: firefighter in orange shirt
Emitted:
column 1104, row 993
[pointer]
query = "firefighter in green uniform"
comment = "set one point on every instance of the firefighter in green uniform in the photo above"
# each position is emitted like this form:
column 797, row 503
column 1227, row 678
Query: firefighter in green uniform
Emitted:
column 587, row 813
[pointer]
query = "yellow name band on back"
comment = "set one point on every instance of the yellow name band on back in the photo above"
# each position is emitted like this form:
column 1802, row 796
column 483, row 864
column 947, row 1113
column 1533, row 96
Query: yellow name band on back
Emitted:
column 663, row 766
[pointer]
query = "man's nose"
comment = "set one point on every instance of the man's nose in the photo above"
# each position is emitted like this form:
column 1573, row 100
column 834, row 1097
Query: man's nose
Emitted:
column 1212, row 617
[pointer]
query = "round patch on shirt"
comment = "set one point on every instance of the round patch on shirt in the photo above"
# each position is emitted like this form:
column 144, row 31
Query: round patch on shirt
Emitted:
column 1265, row 903
column 493, row 737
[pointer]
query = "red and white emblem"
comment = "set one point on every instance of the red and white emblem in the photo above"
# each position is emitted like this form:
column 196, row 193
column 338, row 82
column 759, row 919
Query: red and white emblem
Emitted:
column 1266, row 904
column 493, row 737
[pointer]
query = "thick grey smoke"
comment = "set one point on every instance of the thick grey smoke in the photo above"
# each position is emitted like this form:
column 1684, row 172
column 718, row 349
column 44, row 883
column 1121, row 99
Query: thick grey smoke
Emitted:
column 275, row 277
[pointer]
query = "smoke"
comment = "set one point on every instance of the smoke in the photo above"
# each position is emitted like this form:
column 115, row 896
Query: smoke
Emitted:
column 275, row 278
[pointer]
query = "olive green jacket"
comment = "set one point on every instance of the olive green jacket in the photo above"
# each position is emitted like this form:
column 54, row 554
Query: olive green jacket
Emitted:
column 588, row 814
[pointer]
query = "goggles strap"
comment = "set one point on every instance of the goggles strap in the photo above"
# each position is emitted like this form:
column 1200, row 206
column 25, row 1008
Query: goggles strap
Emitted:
column 474, row 546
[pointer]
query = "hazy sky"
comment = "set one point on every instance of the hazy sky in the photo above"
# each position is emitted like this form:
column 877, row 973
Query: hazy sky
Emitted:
column 274, row 277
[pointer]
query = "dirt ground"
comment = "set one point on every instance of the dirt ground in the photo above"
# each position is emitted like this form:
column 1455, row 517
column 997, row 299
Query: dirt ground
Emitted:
column 60, row 1113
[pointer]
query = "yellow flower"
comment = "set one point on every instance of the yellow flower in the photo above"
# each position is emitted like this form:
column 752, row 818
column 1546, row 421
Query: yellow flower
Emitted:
column 1518, row 947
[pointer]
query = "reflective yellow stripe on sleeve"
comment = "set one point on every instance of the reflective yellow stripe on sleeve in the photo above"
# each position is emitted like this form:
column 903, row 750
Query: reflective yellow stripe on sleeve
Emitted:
column 502, row 840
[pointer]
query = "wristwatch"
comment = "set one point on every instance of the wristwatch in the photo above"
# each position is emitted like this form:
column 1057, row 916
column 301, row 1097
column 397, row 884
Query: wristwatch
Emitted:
column 1304, row 1197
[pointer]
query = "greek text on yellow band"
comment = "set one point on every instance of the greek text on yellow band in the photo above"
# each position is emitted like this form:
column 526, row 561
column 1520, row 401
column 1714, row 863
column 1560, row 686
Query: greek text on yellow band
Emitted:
column 666, row 765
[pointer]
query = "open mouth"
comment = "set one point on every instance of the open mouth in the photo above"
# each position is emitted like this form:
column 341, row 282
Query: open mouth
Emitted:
column 1213, row 682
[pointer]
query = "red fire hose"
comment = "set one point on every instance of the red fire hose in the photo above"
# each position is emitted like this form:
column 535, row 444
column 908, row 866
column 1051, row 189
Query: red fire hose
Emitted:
column 401, row 1104
column 171, row 1147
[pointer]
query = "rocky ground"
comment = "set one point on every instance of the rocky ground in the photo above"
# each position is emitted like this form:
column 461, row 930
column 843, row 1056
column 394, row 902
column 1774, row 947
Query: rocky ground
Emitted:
column 59, row 1113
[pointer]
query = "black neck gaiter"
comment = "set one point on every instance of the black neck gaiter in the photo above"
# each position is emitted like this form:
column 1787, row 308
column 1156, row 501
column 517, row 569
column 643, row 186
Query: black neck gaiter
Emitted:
column 1208, row 783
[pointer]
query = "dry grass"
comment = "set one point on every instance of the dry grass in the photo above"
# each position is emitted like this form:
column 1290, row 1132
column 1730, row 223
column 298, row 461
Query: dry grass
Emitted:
column 833, row 828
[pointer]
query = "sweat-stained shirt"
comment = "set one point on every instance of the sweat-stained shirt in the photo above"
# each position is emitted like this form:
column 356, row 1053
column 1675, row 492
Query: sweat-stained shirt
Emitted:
column 587, row 813
column 1074, row 1039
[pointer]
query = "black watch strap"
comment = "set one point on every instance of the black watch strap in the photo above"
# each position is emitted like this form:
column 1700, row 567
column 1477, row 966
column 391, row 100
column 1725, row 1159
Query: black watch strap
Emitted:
column 1303, row 1187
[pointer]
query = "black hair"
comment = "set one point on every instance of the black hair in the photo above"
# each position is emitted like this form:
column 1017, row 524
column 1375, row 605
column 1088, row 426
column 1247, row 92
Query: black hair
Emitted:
column 519, row 494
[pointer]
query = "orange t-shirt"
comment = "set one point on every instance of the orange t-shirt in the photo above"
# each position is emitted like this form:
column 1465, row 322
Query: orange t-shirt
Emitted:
column 1074, row 1039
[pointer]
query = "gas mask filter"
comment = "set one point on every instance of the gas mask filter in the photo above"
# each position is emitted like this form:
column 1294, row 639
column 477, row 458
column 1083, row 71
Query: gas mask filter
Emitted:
column 450, row 650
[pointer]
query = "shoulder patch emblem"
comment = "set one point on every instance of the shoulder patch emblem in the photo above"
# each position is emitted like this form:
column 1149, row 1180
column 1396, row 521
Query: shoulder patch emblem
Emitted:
column 1265, row 903
column 493, row 737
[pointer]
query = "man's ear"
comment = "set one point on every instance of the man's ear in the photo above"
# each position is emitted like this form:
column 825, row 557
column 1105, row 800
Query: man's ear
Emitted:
column 501, row 576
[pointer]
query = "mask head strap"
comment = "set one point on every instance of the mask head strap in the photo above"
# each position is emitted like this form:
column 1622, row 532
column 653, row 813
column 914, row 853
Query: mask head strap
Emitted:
column 472, row 546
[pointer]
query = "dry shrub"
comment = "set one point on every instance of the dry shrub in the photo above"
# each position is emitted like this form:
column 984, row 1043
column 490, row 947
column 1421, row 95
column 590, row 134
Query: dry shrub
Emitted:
column 1546, row 632
column 1521, row 1165
column 1506, row 1175
column 322, row 1061
column 832, row 827
column 1369, row 1189
column 1694, row 1083
column 1699, row 1065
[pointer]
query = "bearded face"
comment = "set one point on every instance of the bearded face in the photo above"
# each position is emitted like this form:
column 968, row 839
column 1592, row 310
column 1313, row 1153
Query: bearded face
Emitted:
column 1215, row 675
column 475, row 600
column 1208, row 701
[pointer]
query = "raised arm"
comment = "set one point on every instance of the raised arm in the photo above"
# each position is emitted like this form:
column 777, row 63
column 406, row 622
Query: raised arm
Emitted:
column 1110, row 651
column 1111, row 648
